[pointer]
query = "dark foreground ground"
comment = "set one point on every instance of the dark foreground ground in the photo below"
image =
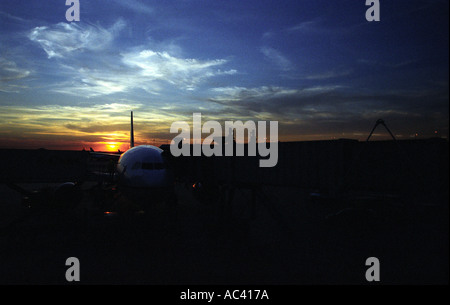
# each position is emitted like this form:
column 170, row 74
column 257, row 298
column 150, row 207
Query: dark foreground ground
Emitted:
column 287, row 240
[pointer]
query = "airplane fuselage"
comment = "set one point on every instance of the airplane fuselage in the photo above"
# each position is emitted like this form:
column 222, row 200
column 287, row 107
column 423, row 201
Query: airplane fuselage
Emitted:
column 144, row 167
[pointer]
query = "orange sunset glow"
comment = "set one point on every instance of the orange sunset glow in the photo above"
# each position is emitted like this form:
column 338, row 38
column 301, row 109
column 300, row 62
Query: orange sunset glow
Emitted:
column 112, row 146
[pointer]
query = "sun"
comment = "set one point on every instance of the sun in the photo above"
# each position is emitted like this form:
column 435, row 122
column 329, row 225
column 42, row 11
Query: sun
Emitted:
column 112, row 146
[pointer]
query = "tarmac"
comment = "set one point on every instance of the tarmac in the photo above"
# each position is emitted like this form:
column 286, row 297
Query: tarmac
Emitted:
column 282, row 236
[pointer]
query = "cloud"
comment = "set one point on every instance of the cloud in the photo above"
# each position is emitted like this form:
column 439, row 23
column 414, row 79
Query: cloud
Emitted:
column 71, row 126
column 404, row 63
column 89, row 71
column 330, row 109
column 230, row 95
column 146, row 70
column 65, row 120
column 90, row 83
column 135, row 6
column 63, row 38
column 305, row 26
column 242, row 94
column 329, row 74
column 277, row 58
column 184, row 72
column 12, row 17
column 9, row 71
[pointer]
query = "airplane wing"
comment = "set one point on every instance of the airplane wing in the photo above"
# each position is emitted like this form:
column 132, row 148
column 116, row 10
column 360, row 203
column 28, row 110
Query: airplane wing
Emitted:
column 102, row 155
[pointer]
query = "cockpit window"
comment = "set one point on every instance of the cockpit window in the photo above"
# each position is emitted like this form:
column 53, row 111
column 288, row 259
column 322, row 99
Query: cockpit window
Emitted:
column 151, row 166
column 159, row 166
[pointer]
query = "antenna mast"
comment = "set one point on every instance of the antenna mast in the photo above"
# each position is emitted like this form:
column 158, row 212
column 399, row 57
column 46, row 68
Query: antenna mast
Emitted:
column 131, row 132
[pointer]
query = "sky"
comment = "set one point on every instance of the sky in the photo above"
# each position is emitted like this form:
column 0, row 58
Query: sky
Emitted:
column 317, row 67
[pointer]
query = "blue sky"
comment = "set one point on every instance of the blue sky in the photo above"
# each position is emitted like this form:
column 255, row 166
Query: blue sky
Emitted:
column 318, row 67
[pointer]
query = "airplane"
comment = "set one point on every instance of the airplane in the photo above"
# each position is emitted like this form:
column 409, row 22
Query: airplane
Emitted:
column 143, row 171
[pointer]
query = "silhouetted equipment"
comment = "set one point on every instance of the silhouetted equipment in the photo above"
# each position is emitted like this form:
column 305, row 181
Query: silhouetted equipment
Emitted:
column 381, row 122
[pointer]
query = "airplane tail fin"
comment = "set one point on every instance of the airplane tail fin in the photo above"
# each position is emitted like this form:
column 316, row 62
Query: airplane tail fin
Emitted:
column 131, row 132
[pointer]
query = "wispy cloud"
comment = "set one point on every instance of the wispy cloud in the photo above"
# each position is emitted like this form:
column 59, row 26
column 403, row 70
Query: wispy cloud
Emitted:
column 305, row 26
column 329, row 74
column 147, row 70
column 12, row 17
column 9, row 71
column 135, row 6
column 394, row 65
column 241, row 94
column 91, row 79
column 277, row 58
column 63, row 38
column 186, row 73
column 103, row 73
